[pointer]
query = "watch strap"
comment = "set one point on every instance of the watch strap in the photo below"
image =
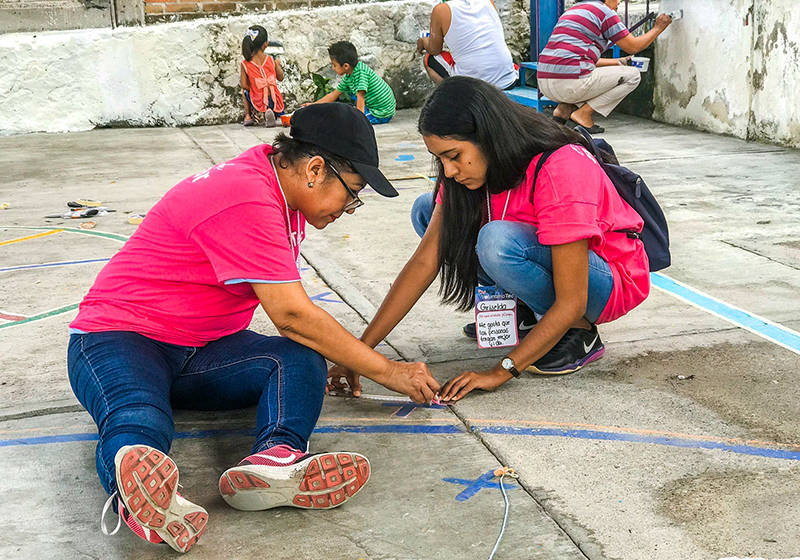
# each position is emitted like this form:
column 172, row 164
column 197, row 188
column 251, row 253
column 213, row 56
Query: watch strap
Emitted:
column 513, row 370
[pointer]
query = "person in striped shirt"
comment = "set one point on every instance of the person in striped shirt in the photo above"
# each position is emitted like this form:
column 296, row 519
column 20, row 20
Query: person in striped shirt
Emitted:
column 571, row 71
column 372, row 94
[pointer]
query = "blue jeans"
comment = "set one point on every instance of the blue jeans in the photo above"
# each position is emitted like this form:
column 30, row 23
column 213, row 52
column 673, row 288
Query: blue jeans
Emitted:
column 129, row 384
column 372, row 118
column 511, row 256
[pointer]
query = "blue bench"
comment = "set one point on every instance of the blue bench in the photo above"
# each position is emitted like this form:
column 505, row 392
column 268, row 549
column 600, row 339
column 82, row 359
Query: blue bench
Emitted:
column 528, row 95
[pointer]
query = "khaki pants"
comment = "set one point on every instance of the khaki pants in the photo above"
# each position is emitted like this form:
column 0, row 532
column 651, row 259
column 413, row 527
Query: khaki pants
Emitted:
column 603, row 89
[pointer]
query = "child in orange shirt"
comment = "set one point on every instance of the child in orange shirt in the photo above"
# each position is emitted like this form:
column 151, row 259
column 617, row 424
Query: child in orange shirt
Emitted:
column 260, row 74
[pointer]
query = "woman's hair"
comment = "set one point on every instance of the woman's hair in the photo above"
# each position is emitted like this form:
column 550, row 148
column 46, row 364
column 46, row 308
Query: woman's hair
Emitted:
column 343, row 52
column 509, row 136
column 254, row 39
column 294, row 151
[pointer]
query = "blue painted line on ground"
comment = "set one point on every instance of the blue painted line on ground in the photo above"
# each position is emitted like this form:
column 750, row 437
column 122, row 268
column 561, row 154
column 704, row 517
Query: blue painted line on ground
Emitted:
column 642, row 438
column 405, row 157
column 64, row 438
column 250, row 432
column 404, row 410
column 391, row 429
column 486, row 480
column 780, row 335
column 52, row 264
column 429, row 429
column 327, row 297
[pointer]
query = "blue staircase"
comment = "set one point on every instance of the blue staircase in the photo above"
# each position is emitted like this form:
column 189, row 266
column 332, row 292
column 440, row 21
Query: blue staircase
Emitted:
column 544, row 17
column 528, row 95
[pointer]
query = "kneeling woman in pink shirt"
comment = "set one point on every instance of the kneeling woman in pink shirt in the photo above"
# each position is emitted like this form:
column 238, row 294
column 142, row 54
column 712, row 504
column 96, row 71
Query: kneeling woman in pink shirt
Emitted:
column 165, row 326
column 554, row 245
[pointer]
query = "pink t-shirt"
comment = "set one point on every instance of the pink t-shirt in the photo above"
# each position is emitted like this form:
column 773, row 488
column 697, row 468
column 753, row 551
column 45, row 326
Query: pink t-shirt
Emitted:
column 184, row 276
column 574, row 200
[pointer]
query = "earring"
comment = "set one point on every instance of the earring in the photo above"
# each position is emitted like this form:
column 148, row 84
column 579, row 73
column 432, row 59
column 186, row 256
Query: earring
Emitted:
column 310, row 185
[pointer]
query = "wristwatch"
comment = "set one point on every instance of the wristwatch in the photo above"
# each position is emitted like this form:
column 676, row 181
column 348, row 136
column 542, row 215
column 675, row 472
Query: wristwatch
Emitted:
column 508, row 365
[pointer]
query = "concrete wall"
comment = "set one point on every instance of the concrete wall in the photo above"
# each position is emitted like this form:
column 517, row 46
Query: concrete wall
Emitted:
column 42, row 15
column 775, row 103
column 732, row 67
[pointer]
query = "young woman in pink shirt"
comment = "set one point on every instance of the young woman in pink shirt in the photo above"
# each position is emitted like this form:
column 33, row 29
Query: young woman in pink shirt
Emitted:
column 555, row 246
column 165, row 326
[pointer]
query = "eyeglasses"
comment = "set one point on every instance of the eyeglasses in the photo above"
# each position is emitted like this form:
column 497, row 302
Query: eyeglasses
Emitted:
column 351, row 206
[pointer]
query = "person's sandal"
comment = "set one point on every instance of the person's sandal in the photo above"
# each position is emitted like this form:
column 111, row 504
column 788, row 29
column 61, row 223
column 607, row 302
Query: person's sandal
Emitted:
column 248, row 122
column 595, row 129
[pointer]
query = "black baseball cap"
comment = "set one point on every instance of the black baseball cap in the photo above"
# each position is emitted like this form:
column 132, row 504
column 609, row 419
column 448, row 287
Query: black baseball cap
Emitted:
column 344, row 131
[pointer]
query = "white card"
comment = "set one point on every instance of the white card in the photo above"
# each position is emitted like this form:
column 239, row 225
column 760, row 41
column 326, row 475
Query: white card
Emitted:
column 495, row 317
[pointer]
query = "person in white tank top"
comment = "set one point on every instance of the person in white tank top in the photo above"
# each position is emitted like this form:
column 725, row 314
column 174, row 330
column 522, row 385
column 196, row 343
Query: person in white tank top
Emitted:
column 473, row 33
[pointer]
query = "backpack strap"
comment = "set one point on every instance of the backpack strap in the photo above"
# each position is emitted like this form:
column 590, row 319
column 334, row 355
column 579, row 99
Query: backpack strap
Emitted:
column 595, row 149
column 539, row 164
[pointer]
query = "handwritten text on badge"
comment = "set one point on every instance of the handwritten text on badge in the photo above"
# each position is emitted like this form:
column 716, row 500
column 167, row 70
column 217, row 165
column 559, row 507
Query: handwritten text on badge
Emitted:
column 495, row 317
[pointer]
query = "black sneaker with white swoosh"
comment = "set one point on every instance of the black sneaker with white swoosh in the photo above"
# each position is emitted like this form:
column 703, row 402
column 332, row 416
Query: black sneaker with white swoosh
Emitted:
column 577, row 348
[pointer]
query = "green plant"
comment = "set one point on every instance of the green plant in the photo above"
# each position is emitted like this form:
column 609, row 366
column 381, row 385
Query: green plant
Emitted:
column 323, row 86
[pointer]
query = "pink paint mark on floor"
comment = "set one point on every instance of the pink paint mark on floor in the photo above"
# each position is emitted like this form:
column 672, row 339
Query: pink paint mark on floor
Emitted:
column 11, row 316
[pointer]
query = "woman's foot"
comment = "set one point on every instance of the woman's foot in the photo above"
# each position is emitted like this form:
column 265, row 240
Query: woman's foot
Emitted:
column 283, row 476
column 147, row 482
column 269, row 119
column 248, row 121
column 576, row 349
column 594, row 129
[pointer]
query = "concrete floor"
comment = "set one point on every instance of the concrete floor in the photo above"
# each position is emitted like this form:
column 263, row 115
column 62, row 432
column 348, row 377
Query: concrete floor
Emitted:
column 682, row 443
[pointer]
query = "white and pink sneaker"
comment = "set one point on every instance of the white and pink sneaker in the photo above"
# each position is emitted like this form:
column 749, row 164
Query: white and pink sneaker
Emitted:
column 147, row 483
column 283, row 476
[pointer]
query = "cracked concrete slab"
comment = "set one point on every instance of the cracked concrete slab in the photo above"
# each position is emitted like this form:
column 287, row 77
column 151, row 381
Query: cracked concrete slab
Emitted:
column 623, row 460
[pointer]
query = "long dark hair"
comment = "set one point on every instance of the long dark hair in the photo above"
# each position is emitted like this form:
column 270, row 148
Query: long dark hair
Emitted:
column 509, row 136
column 254, row 39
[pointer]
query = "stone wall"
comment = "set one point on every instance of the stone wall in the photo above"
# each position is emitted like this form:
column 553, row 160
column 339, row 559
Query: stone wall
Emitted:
column 187, row 73
column 732, row 67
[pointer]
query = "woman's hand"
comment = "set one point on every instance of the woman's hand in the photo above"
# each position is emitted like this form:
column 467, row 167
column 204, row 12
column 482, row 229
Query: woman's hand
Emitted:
column 352, row 380
column 414, row 380
column 488, row 380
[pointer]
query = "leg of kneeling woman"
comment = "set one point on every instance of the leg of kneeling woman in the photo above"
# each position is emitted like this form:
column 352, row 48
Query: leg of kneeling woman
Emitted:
column 123, row 380
column 511, row 254
column 286, row 380
column 421, row 212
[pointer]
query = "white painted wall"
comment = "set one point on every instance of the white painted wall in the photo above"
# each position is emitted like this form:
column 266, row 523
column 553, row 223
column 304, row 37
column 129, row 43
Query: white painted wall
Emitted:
column 776, row 73
column 732, row 67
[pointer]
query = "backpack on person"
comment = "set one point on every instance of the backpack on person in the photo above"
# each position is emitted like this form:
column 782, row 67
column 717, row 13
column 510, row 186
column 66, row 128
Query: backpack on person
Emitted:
column 633, row 190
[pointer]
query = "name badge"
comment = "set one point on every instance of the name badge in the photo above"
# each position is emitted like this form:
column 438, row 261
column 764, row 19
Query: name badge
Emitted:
column 495, row 317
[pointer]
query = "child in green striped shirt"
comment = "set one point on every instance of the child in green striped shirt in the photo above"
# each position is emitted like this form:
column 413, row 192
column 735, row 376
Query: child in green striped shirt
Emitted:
column 372, row 94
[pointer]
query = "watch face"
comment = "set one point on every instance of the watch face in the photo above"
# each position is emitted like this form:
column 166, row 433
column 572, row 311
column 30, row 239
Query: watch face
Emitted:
column 507, row 363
